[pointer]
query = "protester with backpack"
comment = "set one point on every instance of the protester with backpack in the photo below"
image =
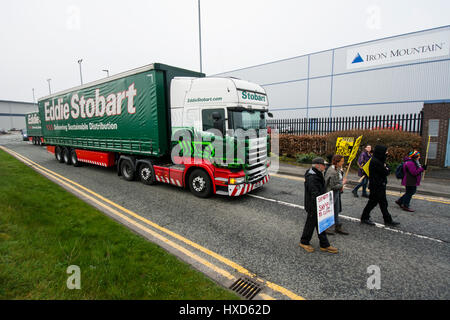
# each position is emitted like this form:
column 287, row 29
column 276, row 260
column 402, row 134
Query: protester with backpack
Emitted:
column 378, row 172
column 412, row 174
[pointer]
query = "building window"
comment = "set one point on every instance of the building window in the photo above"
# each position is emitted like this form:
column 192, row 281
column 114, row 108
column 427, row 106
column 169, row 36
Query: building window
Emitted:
column 432, row 150
column 433, row 127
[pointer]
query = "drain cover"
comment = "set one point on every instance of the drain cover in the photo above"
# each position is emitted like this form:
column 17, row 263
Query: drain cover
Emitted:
column 246, row 288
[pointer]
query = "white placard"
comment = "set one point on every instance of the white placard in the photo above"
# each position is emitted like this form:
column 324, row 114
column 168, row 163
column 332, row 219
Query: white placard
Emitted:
column 325, row 211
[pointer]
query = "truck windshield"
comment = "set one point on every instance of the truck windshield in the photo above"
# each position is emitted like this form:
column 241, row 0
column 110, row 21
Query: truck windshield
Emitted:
column 246, row 119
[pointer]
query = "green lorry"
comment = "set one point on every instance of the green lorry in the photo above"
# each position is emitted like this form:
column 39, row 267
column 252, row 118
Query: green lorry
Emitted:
column 33, row 127
column 163, row 124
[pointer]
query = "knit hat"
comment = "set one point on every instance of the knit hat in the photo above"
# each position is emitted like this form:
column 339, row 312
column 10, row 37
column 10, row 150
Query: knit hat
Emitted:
column 414, row 154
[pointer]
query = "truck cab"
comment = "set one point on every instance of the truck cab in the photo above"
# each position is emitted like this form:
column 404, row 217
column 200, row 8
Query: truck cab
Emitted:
column 230, row 111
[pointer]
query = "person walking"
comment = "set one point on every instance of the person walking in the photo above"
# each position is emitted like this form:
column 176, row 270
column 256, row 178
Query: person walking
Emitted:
column 314, row 187
column 335, row 181
column 412, row 174
column 378, row 172
column 362, row 160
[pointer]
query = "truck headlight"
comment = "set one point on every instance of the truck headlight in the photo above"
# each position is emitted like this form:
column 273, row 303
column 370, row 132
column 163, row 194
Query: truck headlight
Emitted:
column 236, row 180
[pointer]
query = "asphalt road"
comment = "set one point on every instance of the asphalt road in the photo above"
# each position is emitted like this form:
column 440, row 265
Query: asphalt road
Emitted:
column 263, row 235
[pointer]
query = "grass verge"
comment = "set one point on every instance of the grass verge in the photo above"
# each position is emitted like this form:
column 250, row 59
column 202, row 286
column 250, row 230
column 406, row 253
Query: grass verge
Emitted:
column 45, row 229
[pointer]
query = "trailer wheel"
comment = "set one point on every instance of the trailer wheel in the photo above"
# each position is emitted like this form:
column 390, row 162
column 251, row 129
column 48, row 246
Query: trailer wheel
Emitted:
column 33, row 140
column 66, row 156
column 74, row 158
column 147, row 174
column 200, row 184
column 58, row 154
column 127, row 170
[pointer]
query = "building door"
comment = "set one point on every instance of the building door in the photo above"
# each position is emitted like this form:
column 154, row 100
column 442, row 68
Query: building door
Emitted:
column 447, row 157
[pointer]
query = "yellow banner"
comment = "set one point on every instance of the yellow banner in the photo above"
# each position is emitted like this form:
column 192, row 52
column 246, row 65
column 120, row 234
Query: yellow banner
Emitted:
column 355, row 149
column 344, row 145
column 366, row 167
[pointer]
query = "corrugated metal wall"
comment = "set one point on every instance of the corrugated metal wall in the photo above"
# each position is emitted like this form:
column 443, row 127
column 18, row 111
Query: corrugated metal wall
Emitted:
column 12, row 114
column 322, row 84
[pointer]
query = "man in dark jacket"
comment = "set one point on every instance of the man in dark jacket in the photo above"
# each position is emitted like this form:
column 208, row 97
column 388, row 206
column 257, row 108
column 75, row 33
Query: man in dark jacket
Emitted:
column 314, row 187
column 378, row 172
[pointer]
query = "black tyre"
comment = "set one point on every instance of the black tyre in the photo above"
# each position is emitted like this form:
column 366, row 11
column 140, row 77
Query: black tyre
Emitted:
column 66, row 156
column 200, row 184
column 59, row 154
column 146, row 174
column 127, row 170
column 74, row 158
column 33, row 140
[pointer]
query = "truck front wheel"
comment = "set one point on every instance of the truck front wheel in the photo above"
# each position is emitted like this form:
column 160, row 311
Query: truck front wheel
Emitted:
column 146, row 174
column 200, row 184
column 127, row 170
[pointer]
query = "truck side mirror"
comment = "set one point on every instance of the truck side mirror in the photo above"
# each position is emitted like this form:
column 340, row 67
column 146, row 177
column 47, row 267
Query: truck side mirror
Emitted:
column 269, row 114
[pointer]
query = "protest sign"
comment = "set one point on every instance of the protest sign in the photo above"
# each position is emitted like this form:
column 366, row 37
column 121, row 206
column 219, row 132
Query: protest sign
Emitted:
column 344, row 145
column 325, row 211
column 355, row 149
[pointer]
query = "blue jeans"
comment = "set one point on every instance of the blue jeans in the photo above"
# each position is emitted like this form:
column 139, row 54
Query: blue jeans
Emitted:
column 362, row 184
column 406, row 198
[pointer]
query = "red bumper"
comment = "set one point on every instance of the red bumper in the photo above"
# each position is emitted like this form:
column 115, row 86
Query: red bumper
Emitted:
column 241, row 189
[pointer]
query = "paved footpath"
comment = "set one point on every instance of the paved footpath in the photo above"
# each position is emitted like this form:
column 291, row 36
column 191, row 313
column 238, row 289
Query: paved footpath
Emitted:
column 436, row 182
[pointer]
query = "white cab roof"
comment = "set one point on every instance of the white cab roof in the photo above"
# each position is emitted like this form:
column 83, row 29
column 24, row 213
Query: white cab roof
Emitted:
column 217, row 91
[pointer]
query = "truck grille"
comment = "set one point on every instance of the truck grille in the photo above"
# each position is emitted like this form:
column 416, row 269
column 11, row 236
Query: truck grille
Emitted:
column 256, row 159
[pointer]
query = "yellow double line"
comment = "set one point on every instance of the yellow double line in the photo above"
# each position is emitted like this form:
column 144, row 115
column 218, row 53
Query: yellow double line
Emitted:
column 77, row 188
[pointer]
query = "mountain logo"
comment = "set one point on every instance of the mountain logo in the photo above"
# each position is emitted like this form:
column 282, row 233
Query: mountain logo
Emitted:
column 357, row 59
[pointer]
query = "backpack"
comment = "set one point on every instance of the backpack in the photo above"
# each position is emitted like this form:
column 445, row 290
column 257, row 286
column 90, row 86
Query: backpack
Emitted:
column 399, row 170
column 399, row 174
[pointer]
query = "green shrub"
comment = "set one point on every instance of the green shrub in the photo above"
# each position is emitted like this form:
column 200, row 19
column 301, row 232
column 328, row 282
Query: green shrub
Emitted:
column 291, row 145
column 306, row 157
column 303, row 147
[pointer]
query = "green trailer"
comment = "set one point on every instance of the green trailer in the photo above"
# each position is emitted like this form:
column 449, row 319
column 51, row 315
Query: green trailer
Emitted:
column 129, row 113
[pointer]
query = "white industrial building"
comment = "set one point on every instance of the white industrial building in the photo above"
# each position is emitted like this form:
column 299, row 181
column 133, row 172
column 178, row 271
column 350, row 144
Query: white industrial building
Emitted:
column 394, row 75
column 12, row 114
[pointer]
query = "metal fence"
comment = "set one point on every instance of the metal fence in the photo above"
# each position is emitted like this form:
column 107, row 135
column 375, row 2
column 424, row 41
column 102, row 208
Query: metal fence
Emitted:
column 322, row 126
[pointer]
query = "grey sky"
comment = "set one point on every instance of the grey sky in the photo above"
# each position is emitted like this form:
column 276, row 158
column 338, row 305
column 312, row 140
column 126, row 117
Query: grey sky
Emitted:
column 43, row 39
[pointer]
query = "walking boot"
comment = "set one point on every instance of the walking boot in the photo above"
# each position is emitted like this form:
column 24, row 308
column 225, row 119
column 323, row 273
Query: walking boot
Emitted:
column 338, row 229
column 329, row 249
column 307, row 247
column 392, row 224
column 355, row 193
column 368, row 221
column 399, row 203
